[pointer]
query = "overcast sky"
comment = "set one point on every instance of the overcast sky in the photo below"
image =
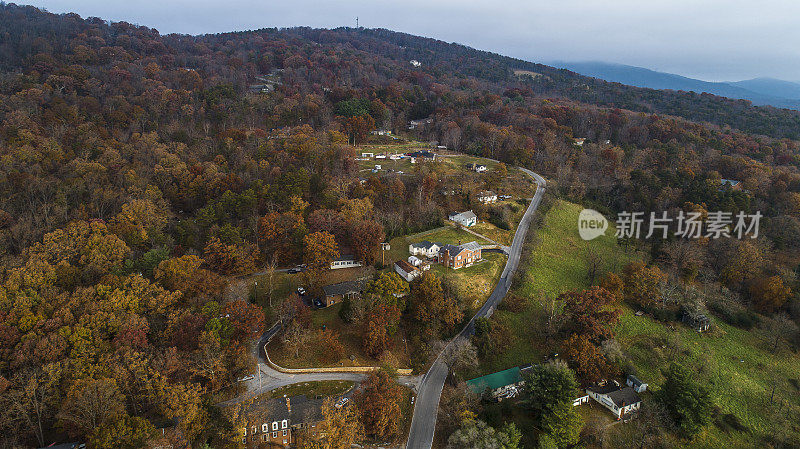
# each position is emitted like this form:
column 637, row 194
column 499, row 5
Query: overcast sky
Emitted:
column 715, row 40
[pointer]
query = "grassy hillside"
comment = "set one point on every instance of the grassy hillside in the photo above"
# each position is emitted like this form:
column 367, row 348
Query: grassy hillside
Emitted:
column 556, row 262
column 737, row 364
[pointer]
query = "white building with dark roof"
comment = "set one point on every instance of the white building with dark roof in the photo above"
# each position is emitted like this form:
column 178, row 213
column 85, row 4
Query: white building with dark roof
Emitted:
column 621, row 401
column 466, row 219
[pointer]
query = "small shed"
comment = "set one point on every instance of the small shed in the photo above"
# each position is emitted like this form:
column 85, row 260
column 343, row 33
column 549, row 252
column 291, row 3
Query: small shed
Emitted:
column 637, row 385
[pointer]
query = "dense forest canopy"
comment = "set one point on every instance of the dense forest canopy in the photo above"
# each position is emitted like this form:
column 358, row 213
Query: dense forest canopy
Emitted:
column 138, row 171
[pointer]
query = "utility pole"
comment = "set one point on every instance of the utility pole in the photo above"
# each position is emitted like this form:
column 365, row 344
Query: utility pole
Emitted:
column 384, row 247
column 356, row 22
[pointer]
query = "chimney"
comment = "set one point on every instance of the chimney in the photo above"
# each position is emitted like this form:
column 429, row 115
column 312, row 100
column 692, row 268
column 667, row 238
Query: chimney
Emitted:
column 289, row 405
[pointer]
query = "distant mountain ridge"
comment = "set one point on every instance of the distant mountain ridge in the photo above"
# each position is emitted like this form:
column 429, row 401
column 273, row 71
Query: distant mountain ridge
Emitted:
column 761, row 91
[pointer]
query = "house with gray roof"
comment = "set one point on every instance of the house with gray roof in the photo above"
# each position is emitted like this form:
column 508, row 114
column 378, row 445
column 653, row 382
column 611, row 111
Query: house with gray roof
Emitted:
column 623, row 402
column 465, row 219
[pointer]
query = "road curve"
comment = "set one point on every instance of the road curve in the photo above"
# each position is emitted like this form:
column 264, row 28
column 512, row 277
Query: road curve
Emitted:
column 423, row 423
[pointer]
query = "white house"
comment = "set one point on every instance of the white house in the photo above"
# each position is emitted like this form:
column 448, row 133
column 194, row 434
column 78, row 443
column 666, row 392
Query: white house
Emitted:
column 621, row 401
column 467, row 218
column 367, row 155
column 345, row 262
column 580, row 400
column 634, row 382
column 396, row 157
column 414, row 261
column 380, row 132
column 406, row 270
column 579, row 141
column 413, row 160
column 479, row 168
column 487, row 197
column 424, row 248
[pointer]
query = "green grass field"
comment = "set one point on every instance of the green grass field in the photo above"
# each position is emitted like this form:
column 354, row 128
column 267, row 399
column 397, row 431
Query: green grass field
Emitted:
column 737, row 364
column 557, row 264
column 476, row 282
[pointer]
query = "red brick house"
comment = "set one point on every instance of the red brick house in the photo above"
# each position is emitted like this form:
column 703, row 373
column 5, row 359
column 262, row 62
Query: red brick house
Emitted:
column 282, row 423
column 459, row 256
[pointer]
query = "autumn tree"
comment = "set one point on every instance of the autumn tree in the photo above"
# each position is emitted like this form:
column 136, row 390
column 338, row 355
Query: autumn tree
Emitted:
column 642, row 284
column 379, row 327
column 768, row 293
column 587, row 358
column 92, row 403
column 388, row 289
column 431, row 307
column 320, row 250
column 591, row 313
column 379, row 403
column 340, row 428
column 365, row 239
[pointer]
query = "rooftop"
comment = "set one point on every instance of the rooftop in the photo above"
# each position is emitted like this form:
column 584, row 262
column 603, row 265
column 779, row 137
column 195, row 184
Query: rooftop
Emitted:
column 621, row 396
column 496, row 380
column 425, row 244
column 407, row 267
column 343, row 288
column 468, row 215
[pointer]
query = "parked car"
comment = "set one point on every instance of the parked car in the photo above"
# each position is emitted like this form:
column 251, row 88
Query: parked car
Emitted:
column 294, row 270
column 246, row 378
column 301, row 291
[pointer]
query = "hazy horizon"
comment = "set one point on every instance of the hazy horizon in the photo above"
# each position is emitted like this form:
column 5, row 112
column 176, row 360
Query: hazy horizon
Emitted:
column 715, row 41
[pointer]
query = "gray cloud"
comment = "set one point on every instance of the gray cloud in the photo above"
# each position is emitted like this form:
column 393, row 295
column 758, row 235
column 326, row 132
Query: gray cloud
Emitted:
column 707, row 39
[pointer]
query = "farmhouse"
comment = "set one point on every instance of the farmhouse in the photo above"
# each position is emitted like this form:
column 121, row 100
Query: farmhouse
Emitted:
column 467, row 218
column 500, row 385
column 424, row 248
column 338, row 292
column 406, row 270
column 345, row 262
column 621, row 401
column 277, row 422
column 487, row 197
column 460, row 256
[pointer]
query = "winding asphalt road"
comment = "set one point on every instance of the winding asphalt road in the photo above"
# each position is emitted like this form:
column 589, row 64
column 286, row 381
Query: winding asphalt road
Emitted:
column 423, row 424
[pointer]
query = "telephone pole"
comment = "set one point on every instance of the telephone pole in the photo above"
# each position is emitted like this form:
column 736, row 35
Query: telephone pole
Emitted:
column 356, row 22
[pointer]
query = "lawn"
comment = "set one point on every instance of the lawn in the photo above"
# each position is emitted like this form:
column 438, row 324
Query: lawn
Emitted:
column 736, row 363
column 476, row 282
column 444, row 234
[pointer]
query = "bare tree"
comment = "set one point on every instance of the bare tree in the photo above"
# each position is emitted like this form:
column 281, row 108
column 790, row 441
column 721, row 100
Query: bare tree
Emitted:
column 272, row 264
column 296, row 338
column 593, row 262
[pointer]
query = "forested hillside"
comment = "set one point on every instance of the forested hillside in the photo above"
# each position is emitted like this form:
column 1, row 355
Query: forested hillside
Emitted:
column 140, row 172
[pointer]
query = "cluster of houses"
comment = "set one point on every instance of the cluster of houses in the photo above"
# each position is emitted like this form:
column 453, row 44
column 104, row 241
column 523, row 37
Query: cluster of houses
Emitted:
column 413, row 157
column 425, row 252
column 279, row 422
column 623, row 401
